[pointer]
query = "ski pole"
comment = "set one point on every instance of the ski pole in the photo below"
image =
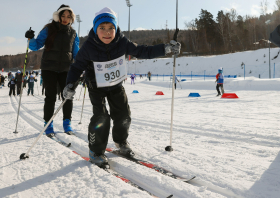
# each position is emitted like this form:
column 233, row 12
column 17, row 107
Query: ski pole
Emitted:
column 22, row 84
column 169, row 148
column 25, row 155
column 83, row 105
column 37, row 87
column 80, row 95
column 180, row 85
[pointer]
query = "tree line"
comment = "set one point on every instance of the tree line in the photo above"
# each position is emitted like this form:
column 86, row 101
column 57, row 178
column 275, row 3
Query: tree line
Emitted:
column 228, row 32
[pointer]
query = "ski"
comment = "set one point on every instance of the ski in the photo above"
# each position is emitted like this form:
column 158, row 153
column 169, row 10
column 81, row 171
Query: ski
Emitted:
column 150, row 165
column 146, row 163
column 112, row 172
column 60, row 141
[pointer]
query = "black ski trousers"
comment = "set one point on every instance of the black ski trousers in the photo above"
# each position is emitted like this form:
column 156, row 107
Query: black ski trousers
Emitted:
column 18, row 87
column 12, row 89
column 99, row 127
column 51, row 78
column 217, row 87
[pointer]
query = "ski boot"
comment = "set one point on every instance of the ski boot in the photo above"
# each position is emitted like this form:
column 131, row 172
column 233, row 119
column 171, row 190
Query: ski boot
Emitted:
column 67, row 127
column 124, row 148
column 49, row 130
column 99, row 160
column 218, row 94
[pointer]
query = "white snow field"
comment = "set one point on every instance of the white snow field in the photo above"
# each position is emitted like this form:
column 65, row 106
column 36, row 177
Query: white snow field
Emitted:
column 230, row 145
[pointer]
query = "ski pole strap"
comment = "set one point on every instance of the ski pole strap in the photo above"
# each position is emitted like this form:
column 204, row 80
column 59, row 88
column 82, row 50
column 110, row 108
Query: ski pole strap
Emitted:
column 176, row 34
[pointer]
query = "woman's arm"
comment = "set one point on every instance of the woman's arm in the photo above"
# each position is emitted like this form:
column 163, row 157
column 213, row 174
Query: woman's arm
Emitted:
column 39, row 42
column 76, row 46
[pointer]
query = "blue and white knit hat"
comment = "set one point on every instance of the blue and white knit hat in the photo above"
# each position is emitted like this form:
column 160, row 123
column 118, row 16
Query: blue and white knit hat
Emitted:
column 105, row 15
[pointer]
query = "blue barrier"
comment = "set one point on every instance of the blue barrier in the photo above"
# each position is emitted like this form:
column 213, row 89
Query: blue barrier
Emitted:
column 226, row 76
column 183, row 80
column 135, row 91
column 194, row 95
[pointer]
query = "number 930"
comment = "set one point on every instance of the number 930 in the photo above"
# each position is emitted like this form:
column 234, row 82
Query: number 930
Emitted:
column 112, row 75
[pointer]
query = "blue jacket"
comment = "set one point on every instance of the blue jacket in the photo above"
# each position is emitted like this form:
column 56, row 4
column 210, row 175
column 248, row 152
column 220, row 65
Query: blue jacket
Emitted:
column 39, row 42
column 95, row 50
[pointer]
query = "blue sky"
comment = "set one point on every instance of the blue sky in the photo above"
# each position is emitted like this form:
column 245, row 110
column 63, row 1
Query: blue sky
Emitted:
column 17, row 16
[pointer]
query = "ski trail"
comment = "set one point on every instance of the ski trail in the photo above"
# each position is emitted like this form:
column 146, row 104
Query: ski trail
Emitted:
column 196, row 182
column 155, row 190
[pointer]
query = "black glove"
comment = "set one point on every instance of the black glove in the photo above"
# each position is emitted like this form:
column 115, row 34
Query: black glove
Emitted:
column 29, row 34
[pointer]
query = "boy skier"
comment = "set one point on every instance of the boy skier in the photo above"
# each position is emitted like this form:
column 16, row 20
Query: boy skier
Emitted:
column 103, row 57
column 220, row 81
column 30, row 82
column 12, row 85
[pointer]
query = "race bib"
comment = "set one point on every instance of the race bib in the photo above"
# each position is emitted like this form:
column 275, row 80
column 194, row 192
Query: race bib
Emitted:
column 111, row 72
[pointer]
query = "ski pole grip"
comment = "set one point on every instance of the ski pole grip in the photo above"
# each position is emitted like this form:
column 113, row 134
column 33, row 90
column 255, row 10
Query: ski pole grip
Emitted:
column 176, row 34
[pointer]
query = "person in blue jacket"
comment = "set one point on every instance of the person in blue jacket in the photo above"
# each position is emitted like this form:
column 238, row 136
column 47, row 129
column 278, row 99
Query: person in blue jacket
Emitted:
column 30, row 82
column 103, row 57
column 220, row 81
column 61, row 45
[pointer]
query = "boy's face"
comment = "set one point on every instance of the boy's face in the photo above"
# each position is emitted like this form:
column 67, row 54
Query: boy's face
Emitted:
column 106, row 32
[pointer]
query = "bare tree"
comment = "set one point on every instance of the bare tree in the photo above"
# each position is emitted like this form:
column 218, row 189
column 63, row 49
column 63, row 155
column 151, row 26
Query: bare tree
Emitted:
column 193, row 32
column 264, row 5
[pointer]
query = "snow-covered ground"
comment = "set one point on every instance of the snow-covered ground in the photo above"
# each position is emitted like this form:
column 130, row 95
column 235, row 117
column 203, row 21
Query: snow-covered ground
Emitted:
column 230, row 145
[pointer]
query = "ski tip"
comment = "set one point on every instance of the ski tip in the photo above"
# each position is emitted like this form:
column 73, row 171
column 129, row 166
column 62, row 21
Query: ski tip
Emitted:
column 68, row 145
column 169, row 196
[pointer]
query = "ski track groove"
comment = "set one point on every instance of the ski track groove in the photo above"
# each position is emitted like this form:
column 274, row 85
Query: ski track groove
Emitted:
column 34, row 125
column 196, row 182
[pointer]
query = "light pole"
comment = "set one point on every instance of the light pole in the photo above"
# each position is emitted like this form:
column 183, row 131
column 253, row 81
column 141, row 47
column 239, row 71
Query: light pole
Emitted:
column 79, row 21
column 128, row 5
column 267, row 23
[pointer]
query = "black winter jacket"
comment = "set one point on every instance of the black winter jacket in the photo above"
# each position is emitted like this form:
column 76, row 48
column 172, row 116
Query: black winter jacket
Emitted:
column 60, row 57
column 12, row 83
column 19, row 78
column 95, row 50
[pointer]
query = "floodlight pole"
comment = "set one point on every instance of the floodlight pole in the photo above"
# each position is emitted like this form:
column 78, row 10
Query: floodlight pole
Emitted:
column 128, row 5
column 79, row 21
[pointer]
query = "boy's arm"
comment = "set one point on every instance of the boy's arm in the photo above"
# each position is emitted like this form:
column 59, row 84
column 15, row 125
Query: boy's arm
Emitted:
column 76, row 69
column 39, row 42
column 144, row 51
column 275, row 36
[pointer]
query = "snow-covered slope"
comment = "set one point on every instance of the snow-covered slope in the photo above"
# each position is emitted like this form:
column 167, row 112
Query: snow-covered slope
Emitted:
column 231, row 145
column 256, row 63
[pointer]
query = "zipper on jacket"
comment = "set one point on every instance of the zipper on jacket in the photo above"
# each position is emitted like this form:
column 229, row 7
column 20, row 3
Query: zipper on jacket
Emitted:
column 108, row 53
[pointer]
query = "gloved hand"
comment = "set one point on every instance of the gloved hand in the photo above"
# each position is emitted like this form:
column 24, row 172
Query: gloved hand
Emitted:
column 29, row 34
column 174, row 47
column 68, row 92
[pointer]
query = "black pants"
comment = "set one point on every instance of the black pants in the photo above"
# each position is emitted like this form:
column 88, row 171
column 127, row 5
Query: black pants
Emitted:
column 51, row 79
column 43, row 88
column 12, row 89
column 18, row 87
column 99, row 127
column 222, row 88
